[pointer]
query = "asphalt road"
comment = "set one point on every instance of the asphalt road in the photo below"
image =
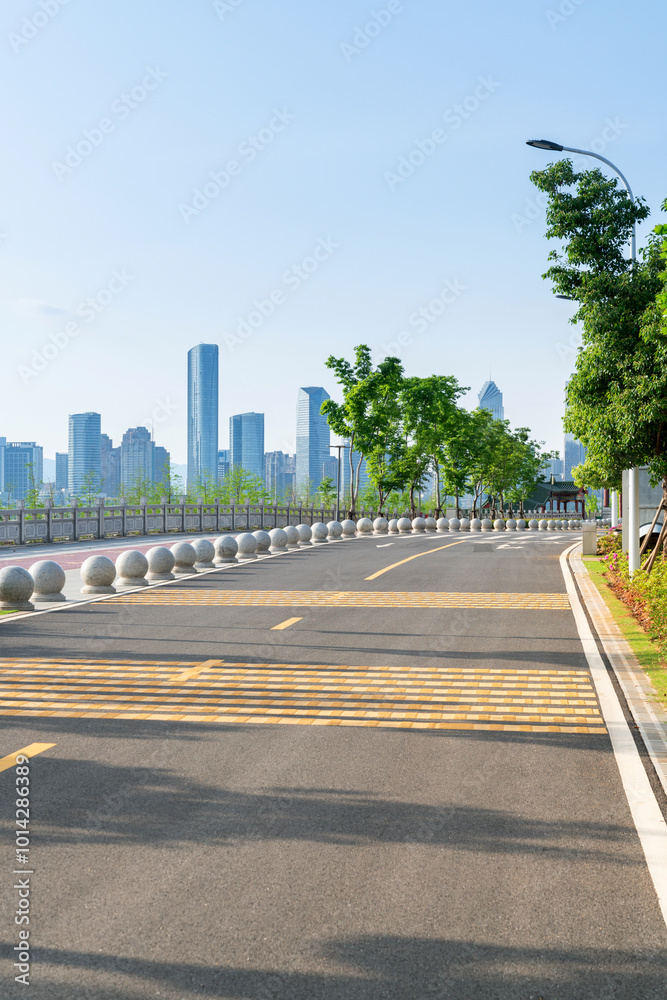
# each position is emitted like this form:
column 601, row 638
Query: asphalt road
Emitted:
column 452, row 839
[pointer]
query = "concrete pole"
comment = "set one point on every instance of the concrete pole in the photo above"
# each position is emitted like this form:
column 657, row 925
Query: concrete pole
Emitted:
column 614, row 508
column 633, row 520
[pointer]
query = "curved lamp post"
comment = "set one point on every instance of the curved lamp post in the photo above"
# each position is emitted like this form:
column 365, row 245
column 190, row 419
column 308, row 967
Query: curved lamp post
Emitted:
column 633, row 474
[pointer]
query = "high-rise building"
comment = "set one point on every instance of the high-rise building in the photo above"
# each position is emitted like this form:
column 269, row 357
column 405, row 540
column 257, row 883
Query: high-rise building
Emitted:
column 61, row 472
column 136, row 457
column 330, row 467
column 312, row 436
column 224, row 464
column 574, row 453
column 161, row 464
column 278, row 473
column 110, row 467
column 491, row 398
column 345, row 475
column 202, row 412
column 21, row 468
column 84, row 464
column 554, row 467
column 246, row 442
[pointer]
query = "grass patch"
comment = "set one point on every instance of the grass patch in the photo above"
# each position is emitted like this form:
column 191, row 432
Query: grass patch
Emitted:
column 645, row 649
column 8, row 612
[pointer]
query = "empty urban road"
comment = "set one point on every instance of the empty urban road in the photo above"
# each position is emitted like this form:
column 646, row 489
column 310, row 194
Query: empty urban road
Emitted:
column 378, row 768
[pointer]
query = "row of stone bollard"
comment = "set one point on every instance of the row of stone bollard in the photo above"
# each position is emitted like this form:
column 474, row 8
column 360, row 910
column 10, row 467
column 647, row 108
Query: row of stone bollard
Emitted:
column 429, row 525
column 43, row 583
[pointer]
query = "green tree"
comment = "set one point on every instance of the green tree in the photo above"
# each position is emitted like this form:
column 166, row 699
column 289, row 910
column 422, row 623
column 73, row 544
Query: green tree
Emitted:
column 616, row 400
column 91, row 484
column 327, row 492
column 34, row 487
column 368, row 415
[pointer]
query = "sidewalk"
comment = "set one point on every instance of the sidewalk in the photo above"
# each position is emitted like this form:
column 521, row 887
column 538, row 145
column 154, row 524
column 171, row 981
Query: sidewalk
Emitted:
column 647, row 711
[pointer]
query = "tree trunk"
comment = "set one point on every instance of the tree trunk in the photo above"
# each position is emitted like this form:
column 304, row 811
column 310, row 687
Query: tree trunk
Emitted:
column 647, row 536
column 458, row 512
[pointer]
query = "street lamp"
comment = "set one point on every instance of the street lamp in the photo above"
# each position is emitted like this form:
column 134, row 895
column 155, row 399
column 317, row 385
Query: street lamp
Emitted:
column 633, row 474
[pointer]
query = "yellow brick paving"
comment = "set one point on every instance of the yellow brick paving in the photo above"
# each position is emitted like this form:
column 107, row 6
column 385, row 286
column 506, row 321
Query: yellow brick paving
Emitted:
column 338, row 598
column 559, row 701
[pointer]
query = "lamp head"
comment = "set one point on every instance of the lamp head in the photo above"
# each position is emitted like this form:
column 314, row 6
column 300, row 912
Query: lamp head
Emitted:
column 545, row 144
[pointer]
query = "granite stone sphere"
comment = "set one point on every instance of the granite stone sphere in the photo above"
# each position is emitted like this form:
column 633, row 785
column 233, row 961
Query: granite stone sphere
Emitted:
column 442, row 524
column 465, row 524
column 263, row 541
column 476, row 524
column 278, row 541
column 521, row 524
column 454, row 524
column 510, row 524
column 499, row 524
column 305, row 534
column 393, row 526
column 404, row 526
column 431, row 524
column 292, row 536
column 49, row 579
column 185, row 558
column 533, row 524
column 380, row 526
column 335, row 529
column 320, row 533
column 349, row 528
column 247, row 546
column 543, row 524
column 131, row 569
column 364, row 526
column 487, row 524
column 205, row 552
column 226, row 548
column 160, row 563
column 16, row 587
column 419, row 525
column 551, row 525
column 572, row 525
column 97, row 574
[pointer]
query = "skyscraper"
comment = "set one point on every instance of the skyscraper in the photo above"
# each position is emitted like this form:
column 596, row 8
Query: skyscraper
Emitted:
column 574, row 453
column 278, row 473
column 136, row 457
column 21, row 463
column 246, row 442
column 61, row 471
column 110, row 467
column 202, row 412
column 491, row 398
column 312, row 436
column 84, row 453
column 161, row 463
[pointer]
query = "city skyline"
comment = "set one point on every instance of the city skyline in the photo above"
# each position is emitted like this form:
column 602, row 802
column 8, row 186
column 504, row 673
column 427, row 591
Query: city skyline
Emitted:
column 338, row 230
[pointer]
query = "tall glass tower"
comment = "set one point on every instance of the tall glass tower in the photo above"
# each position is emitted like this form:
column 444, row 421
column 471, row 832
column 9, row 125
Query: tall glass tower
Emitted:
column 203, row 412
column 312, row 435
column 491, row 398
column 84, row 453
column 246, row 442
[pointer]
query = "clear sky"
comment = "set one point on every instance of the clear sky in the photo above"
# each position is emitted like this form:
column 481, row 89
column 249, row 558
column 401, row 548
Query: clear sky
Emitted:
column 228, row 172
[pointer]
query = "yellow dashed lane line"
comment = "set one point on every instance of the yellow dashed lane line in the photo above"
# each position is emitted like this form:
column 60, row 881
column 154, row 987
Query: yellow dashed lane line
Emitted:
column 214, row 691
column 338, row 598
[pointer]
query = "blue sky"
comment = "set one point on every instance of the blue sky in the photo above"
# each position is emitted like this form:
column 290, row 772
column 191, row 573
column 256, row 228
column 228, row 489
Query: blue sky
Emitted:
column 289, row 179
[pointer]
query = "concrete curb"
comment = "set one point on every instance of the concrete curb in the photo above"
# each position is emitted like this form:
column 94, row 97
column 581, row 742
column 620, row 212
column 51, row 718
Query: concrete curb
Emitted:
column 641, row 696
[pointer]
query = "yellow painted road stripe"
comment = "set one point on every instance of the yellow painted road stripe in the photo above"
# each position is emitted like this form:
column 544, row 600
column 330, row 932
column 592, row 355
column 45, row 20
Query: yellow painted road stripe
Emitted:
column 286, row 624
column 410, row 558
column 34, row 748
column 189, row 675
column 386, row 600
